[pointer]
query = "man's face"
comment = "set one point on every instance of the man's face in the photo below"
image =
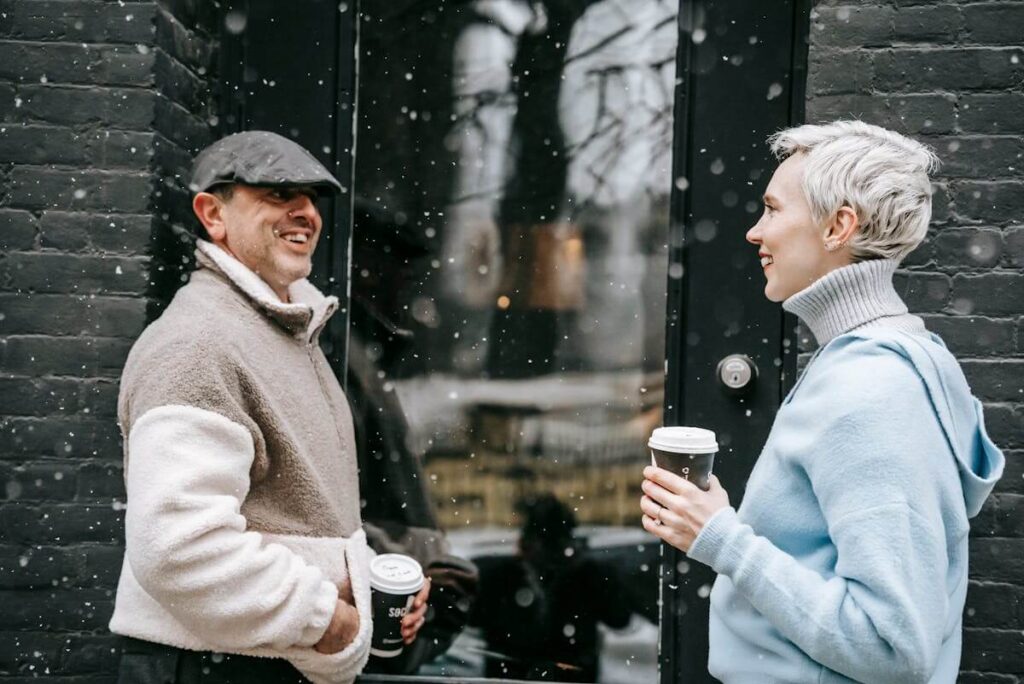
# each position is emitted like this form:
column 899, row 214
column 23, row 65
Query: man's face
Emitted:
column 272, row 231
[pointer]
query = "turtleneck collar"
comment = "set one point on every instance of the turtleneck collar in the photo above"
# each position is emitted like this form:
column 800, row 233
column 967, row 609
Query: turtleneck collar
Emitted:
column 852, row 297
column 305, row 315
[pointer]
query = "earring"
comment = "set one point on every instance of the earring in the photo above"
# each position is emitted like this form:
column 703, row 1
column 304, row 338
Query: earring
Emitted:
column 833, row 244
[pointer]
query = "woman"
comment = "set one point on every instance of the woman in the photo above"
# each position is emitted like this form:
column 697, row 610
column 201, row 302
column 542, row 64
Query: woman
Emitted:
column 847, row 560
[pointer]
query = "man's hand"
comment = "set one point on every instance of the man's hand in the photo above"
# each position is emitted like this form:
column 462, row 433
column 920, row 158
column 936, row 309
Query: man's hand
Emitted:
column 342, row 630
column 675, row 509
column 414, row 619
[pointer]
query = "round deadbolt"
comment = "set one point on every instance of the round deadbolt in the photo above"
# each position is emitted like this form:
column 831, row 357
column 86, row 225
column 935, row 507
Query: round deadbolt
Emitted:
column 737, row 372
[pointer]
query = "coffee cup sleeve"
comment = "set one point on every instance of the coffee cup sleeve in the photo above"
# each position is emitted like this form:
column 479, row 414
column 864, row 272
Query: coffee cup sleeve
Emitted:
column 343, row 667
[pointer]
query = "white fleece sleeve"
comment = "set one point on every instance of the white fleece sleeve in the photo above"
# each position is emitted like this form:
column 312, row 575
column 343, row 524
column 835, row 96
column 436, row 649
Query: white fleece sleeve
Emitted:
column 187, row 544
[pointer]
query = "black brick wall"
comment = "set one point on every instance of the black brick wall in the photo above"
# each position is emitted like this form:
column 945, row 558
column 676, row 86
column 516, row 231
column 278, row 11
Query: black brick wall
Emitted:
column 952, row 75
column 101, row 106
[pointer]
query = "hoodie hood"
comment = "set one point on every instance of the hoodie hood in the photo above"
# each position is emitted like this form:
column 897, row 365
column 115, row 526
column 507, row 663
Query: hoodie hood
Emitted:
column 979, row 461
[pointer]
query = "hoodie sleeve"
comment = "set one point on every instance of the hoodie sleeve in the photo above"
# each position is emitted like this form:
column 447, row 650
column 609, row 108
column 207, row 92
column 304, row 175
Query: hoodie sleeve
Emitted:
column 881, row 472
column 187, row 543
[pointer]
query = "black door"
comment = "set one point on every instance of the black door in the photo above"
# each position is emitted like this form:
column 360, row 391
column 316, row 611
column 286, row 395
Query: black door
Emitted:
column 545, row 220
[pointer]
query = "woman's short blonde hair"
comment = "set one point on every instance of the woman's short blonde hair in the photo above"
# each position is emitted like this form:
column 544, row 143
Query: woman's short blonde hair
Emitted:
column 881, row 175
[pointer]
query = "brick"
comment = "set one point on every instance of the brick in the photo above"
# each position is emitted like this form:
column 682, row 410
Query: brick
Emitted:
column 75, row 63
column 28, row 653
column 1002, row 516
column 990, row 201
column 192, row 49
column 923, row 292
column 974, row 335
column 921, row 256
column 110, row 233
column 851, row 26
column 996, row 605
column 104, row 191
column 997, row 560
column 1001, row 380
column 61, row 523
column 181, row 127
column 834, row 72
column 57, row 609
column 59, row 437
column 109, row 107
column 934, row 23
column 179, row 84
column 995, row 294
column 101, row 481
column 1003, row 423
column 38, row 481
column 1014, row 240
column 43, row 396
column 79, row 21
column 54, row 272
column 948, row 69
column 93, row 565
column 993, row 650
column 969, row 247
column 82, row 654
column 17, row 230
column 1013, row 476
column 994, row 23
column 985, row 678
column 941, row 209
column 992, row 112
column 980, row 156
column 77, row 356
column 27, row 568
column 906, row 113
column 102, row 316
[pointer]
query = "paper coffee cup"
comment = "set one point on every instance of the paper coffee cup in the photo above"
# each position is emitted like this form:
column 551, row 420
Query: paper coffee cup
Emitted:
column 686, row 451
column 395, row 580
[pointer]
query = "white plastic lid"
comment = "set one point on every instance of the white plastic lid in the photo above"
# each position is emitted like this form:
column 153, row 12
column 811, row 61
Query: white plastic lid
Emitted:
column 683, row 440
column 395, row 573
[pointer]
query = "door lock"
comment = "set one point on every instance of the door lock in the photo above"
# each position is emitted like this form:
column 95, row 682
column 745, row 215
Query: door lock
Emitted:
column 737, row 372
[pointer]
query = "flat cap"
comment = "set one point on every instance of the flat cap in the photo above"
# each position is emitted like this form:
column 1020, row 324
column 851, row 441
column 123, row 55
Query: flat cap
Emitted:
column 259, row 158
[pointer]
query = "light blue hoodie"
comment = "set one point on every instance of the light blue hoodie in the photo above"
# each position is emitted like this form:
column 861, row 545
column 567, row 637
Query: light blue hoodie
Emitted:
column 847, row 560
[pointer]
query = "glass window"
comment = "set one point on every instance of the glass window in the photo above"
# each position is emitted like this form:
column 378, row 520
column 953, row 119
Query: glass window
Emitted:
column 508, row 311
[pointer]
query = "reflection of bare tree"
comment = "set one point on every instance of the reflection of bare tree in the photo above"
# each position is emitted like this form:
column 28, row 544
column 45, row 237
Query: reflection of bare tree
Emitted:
column 563, row 119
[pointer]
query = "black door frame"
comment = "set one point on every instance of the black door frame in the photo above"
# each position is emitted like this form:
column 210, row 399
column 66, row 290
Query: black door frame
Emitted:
column 724, row 110
column 741, row 74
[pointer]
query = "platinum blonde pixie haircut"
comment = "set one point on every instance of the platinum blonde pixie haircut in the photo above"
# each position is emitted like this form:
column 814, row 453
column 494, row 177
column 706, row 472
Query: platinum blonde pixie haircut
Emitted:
column 881, row 175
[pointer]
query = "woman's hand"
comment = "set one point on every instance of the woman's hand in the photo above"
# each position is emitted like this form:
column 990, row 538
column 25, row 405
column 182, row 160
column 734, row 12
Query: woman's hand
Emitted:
column 414, row 619
column 675, row 509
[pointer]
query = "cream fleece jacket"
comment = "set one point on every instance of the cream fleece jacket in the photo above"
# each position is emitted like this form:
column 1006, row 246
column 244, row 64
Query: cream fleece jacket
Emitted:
column 243, row 499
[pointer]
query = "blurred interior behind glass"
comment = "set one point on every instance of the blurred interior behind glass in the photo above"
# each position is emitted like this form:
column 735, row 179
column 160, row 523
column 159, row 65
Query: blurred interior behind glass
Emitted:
column 508, row 284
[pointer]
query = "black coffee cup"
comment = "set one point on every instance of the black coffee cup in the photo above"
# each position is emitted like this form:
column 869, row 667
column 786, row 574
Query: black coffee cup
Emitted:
column 686, row 451
column 395, row 580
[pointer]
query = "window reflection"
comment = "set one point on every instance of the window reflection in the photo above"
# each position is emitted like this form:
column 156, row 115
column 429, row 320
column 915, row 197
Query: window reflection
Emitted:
column 508, row 294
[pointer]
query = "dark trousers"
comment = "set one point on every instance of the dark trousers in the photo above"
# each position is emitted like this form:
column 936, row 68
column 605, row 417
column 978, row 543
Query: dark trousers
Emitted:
column 143, row 662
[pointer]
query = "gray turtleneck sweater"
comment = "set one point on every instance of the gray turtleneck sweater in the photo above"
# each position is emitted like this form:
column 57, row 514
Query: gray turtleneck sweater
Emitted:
column 851, row 298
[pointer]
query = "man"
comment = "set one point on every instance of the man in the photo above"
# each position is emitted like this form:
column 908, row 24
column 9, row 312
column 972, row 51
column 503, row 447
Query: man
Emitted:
column 245, row 559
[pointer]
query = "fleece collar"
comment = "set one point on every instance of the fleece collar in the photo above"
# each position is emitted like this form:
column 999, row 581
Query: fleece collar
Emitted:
column 305, row 315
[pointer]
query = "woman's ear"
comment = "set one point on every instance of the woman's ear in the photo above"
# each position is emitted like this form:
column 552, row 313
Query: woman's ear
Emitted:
column 843, row 226
column 209, row 209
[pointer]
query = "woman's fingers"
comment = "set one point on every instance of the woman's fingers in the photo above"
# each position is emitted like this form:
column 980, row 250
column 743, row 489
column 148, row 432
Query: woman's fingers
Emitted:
column 668, row 480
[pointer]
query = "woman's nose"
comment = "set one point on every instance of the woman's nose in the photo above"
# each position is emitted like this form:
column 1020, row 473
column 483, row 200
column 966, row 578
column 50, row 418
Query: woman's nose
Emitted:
column 754, row 234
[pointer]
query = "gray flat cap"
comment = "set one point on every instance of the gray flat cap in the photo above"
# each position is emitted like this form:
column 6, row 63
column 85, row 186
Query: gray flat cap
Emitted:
column 259, row 158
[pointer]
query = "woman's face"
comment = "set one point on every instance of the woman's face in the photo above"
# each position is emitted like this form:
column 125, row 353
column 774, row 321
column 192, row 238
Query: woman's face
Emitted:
column 791, row 246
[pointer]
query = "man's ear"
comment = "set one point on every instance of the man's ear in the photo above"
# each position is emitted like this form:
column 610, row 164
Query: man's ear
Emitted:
column 843, row 226
column 209, row 209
